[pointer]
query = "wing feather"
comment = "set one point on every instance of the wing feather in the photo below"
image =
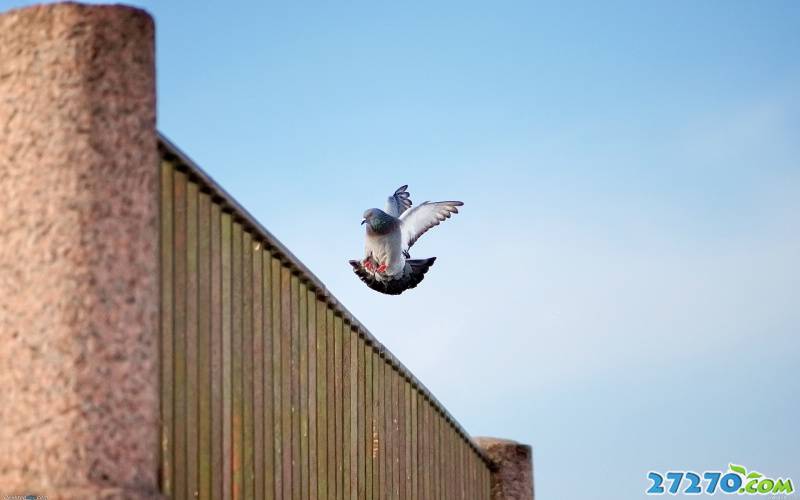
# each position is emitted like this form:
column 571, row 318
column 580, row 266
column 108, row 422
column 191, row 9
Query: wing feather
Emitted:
column 416, row 221
column 399, row 202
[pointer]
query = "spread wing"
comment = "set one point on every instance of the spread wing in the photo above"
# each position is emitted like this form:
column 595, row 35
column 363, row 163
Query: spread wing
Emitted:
column 416, row 221
column 399, row 202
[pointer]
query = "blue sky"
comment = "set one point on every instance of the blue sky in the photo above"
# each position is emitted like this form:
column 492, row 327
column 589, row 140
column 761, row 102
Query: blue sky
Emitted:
column 622, row 287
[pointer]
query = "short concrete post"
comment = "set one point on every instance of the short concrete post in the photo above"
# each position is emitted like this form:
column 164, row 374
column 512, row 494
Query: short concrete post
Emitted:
column 513, row 477
column 79, row 288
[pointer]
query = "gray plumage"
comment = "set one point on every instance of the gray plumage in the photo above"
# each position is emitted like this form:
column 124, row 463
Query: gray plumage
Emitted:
column 387, row 266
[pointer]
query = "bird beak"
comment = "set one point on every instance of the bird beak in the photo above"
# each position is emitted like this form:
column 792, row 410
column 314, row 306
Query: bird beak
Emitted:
column 363, row 221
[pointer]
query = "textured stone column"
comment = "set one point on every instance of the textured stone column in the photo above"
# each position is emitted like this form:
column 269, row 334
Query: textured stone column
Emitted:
column 513, row 477
column 78, row 253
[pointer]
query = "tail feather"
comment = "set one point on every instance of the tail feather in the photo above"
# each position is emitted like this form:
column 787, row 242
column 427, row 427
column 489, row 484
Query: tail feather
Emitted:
column 413, row 274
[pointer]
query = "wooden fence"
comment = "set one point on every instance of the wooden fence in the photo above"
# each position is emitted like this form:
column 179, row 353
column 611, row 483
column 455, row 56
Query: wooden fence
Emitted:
column 269, row 387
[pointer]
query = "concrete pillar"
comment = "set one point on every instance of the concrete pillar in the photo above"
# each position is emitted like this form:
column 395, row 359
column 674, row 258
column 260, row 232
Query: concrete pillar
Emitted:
column 512, row 478
column 78, row 253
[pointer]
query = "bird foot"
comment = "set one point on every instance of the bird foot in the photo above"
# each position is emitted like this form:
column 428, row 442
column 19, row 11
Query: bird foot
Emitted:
column 382, row 268
column 368, row 264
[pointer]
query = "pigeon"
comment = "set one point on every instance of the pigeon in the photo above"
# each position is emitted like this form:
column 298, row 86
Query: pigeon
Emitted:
column 388, row 267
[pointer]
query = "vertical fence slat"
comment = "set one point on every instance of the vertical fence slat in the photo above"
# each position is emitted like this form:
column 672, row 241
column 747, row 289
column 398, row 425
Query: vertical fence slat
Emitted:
column 346, row 415
column 331, row 393
column 400, row 425
column 337, row 346
column 179, row 348
column 286, row 381
column 276, row 273
column 353, row 419
column 269, row 381
column 360, row 425
column 304, row 462
column 248, row 469
column 216, row 353
column 476, row 472
column 407, row 434
column 322, row 401
column 167, row 353
column 472, row 477
column 415, row 475
column 369, row 426
column 354, row 428
column 429, row 468
column 435, row 484
column 191, row 339
column 379, row 444
column 462, row 479
column 313, row 469
column 295, row 389
column 451, row 465
column 440, row 455
column 422, row 459
column 204, row 344
column 236, row 362
column 227, row 354
column 388, row 408
column 445, row 488
column 258, row 370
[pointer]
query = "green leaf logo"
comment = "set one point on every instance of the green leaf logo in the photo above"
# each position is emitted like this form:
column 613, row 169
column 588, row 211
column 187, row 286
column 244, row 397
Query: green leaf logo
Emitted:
column 754, row 475
column 738, row 469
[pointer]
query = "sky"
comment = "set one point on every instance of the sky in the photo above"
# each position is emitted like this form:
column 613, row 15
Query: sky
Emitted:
column 622, row 287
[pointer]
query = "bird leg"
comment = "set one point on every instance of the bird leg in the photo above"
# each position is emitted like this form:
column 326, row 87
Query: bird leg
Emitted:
column 368, row 264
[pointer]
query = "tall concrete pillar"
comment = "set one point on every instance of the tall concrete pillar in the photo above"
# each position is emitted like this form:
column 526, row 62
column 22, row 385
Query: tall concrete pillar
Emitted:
column 512, row 478
column 78, row 253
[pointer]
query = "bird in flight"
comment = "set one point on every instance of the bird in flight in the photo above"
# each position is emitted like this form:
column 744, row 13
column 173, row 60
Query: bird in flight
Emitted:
column 387, row 266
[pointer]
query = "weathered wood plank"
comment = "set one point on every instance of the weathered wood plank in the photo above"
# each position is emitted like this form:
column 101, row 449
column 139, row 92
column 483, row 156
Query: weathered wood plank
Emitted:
column 388, row 384
column 346, row 415
column 204, row 344
column 313, row 467
column 397, row 440
column 248, row 451
column 269, row 382
column 369, row 424
column 227, row 355
column 414, row 464
column 430, row 471
column 379, row 444
column 401, row 436
column 191, row 339
column 360, row 424
column 437, row 454
column 331, row 393
column 408, row 464
column 337, row 345
column 286, row 381
column 216, row 354
column 258, row 369
column 237, row 410
column 295, row 389
column 322, row 401
column 167, row 333
column 303, row 339
column 179, row 348
column 277, row 380
column 353, row 418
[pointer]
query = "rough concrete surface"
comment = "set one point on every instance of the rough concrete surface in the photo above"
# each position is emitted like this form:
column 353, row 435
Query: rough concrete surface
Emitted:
column 513, row 477
column 78, row 253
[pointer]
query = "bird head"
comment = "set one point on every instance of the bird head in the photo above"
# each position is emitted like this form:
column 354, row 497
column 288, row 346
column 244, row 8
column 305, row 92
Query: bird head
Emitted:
column 369, row 215
column 378, row 221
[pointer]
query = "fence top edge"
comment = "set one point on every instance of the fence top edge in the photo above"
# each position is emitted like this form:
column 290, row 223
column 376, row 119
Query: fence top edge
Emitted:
column 172, row 153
